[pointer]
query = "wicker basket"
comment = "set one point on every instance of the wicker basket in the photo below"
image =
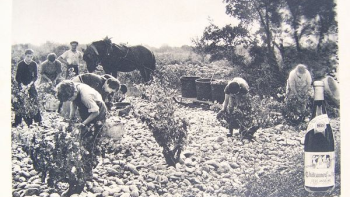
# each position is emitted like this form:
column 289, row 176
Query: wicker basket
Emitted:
column 217, row 90
column 188, row 86
column 51, row 104
column 114, row 130
column 203, row 89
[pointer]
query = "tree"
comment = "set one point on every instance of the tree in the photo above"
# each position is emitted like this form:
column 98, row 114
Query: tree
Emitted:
column 323, row 11
column 266, row 14
column 199, row 47
column 221, row 43
column 314, row 20
column 263, row 12
column 310, row 24
column 311, row 17
column 294, row 7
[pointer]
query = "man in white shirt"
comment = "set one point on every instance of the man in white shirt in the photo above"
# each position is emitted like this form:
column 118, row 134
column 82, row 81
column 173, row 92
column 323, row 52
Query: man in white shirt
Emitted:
column 72, row 58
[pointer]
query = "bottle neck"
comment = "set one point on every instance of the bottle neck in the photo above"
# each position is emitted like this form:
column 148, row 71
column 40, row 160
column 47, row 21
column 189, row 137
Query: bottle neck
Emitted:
column 319, row 96
column 318, row 110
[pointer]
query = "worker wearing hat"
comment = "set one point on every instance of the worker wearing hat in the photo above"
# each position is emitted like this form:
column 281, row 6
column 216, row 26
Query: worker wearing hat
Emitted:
column 72, row 58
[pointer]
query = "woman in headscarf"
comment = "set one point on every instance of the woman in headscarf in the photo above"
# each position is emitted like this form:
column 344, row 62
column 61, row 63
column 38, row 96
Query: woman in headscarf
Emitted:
column 299, row 91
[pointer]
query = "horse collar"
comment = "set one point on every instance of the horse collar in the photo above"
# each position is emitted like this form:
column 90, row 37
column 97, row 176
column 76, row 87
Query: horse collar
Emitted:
column 94, row 48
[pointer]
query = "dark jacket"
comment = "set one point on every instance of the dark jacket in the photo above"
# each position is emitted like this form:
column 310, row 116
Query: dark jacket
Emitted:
column 26, row 73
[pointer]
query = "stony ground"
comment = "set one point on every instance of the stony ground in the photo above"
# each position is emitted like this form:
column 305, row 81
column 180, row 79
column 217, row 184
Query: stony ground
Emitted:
column 212, row 164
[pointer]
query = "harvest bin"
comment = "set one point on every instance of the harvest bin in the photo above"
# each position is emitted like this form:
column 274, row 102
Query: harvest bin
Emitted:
column 188, row 86
column 217, row 91
column 122, row 105
column 123, row 108
column 203, row 89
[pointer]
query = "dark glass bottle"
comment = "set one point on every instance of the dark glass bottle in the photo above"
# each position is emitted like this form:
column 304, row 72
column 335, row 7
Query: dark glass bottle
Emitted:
column 319, row 157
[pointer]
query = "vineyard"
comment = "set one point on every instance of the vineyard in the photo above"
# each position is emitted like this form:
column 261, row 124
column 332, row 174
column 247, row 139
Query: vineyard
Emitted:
column 165, row 148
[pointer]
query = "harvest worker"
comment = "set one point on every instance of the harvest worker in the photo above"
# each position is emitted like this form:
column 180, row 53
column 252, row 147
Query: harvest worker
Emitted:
column 88, row 101
column 51, row 70
column 106, row 85
column 120, row 95
column 92, row 111
column 26, row 104
column 236, row 108
column 299, row 82
column 299, row 91
column 72, row 58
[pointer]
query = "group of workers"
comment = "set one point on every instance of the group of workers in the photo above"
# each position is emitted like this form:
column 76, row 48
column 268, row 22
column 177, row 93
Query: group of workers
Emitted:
column 237, row 110
column 88, row 92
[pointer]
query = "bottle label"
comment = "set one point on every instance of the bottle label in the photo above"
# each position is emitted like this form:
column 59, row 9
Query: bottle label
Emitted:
column 318, row 124
column 319, row 169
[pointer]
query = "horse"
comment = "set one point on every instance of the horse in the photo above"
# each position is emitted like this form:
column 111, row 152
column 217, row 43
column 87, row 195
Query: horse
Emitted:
column 119, row 58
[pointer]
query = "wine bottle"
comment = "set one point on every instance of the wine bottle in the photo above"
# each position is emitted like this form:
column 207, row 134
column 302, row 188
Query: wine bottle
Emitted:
column 319, row 156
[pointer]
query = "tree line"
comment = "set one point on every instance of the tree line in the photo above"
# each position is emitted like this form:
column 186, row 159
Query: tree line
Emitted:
column 272, row 37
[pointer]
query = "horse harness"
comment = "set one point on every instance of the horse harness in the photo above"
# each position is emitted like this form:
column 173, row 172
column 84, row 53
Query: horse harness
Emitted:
column 126, row 54
column 95, row 50
column 108, row 51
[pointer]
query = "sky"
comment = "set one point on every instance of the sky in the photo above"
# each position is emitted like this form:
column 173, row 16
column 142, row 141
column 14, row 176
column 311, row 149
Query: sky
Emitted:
column 148, row 22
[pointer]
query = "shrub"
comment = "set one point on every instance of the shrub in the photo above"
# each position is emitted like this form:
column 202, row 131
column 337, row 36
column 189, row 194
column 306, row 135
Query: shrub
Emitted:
column 46, row 93
column 133, row 77
column 296, row 110
column 267, row 110
column 21, row 103
column 169, row 130
column 62, row 155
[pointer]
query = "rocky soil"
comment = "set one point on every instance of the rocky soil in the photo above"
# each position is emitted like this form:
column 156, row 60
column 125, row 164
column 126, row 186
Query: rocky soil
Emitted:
column 212, row 164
